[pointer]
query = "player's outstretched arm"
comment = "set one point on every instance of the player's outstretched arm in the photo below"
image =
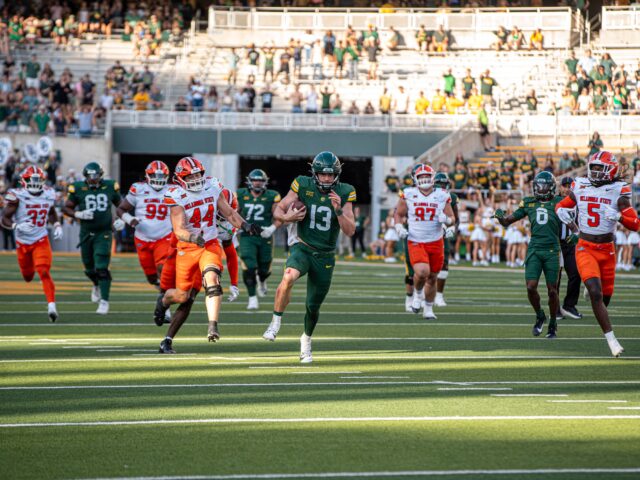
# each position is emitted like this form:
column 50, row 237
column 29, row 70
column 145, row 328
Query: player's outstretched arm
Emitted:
column 7, row 215
column 123, row 212
column 628, row 216
column 69, row 208
column 179, row 223
column 284, row 214
column 507, row 220
column 235, row 219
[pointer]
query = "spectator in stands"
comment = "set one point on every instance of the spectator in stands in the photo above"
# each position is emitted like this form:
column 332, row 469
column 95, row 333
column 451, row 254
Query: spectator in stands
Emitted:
column 449, row 83
column 483, row 123
column 548, row 164
column 250, row 92
column 453, row 103
column 507, row 179
column 423, row 39
column 156, row 98
column 468, row 83
column 329, row 45
column 401, row 102
column 269, row 54
column 532, row 102
column 24, row 118
column 368, row 109
column 338, row 66
column 607, row 62
column 253, row 57
column 502, row 39
column 85, row 121
column 571, row 63
column 536, row 40
column 601, row 79
column 584, row 104
column 475, row 101
column 421, row 104
column 588, row 62
column 40, row 121
column 353, row 108
column 296, row 99
column 619, row 76
column 487, row 83
column 354, row 58
column 619, row 101
column 181, row 105
column 370, row 32
column 284, row 70
column 407, row 178
column 372, row 55
column 576, row 161
column 317, row 56
column 565, row 163
column 393, row 39
column 528, row 167
column 106, row 99
column 584, row 80
column 241, row 101
column 336, row 104
column 141, row 99
column 459, row 177
column 508, row 162
column 384, row 103
column 266, row 97
column 312, row 100
column 232, row 67
column 595, row 144
column 392, row 181
column 297, row 59
column 197, row 92
column 58, row 34
column 325, row 95
column 438, row 102
column 88, row 90
column 568, row 103
column 516, row 39
column 439, row 40
column 33, row 73
column 574, row 86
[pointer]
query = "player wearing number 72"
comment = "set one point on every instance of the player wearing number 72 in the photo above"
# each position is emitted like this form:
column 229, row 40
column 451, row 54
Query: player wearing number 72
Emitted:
column 89, row 202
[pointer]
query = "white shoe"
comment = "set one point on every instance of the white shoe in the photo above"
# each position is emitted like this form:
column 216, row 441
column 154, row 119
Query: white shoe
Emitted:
column 390, row 260
column 467, row 257
column 103, row 307
column 457, row 257
column 408, row 301
column 234, row 293
column 615, row 347
column 52, row 312
column 305, row 349
column 439, row 301
column 416, row 302
column 427, row 313
column 253, row 303
column 95, row 294
column 272, row 331
column 453, row 262
column 484, row 263
column 167, row 316
column 475, row 264
column 262, row 288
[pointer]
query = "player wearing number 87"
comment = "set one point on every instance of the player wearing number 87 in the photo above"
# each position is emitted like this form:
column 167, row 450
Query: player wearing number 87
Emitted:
column 256, row 203
column 313, row 234
column 89, row 201
column 26, row 212
column 543, row 252
column 425, row 210
column 150, row 219
column 603, row 199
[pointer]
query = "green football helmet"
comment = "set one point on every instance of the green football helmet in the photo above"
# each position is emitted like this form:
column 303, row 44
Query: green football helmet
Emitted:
column 257, row 180
column 326, row 162
column 441, row 180
column 544, row 186
column 93, row 174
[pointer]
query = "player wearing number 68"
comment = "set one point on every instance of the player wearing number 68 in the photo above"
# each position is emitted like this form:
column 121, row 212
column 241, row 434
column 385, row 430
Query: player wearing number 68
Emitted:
column 316, row 208
column 89, row 201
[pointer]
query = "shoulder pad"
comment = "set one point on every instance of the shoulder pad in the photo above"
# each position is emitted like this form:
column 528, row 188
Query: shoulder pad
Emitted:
column 625, row 190
column 276, row 197
column 11, row 196
column 521, row 204
column 133, row 189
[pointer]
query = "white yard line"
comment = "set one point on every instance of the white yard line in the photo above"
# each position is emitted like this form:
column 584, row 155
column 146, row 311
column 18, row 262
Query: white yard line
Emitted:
column 587, row 401
column 453, row 389
column 623, row 408
column 529, row 395
column 374, row 376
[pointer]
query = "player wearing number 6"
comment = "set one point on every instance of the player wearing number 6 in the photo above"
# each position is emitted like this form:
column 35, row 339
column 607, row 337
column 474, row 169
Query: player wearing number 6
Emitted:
column 256, row 203
column 425, row 210
column 90, row 201
column 317, row 207
column 543, row 252
column 603, row 199
column 26, row 212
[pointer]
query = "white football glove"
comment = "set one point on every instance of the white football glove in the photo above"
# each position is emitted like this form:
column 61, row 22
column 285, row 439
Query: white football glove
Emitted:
column 84, row 215
column 402, row 232
column 234, row 292
column 24, row 227
column 268, row 231
column 57, row 231
column 443, row 218
column 450, row 232
column 611, row 213
column 130, row 219
column 118, row 224
column 566, row 215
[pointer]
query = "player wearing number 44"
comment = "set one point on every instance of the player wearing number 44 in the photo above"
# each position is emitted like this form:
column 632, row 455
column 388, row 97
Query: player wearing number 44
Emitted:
column 26, row 212
column 89, row 201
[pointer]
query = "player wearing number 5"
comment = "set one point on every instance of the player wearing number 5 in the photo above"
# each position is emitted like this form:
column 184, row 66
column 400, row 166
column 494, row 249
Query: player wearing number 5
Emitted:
column 26, row 212
column 90, row 201
column 425, row 210
column 317, row 208
column 603, row 199
column 150, row 219
column 256, row 203
column 543, row 252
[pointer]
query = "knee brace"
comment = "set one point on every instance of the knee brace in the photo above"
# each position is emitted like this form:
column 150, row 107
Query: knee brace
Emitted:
column 92, row 275
column 408, row 280
column 103, row 274
column 212, row 291
column 249, row 277
column 443, row 274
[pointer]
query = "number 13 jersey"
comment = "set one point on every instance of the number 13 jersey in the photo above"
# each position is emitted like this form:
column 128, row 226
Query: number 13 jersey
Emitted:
column 591, row 201
column 33, row 209
column 151, row 210
column 422, row 213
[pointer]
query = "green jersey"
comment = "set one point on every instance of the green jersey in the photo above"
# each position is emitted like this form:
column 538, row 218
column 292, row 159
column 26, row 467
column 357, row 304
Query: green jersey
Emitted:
column 459, row 178
column 319, row 228
column 258, row 209
column 97, row 199
column 545, row 224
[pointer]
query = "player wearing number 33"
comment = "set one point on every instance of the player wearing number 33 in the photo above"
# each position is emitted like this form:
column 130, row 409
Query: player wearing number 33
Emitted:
column 316, row 208
column 89, row 202
column 425, row 209
column 602, row 199
column 27, row 211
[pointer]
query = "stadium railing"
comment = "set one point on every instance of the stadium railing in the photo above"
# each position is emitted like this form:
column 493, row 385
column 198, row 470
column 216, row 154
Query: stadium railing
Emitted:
column 620, row 26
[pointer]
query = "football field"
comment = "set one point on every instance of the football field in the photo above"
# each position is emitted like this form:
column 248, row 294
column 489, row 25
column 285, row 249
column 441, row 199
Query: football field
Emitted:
column 389, row 395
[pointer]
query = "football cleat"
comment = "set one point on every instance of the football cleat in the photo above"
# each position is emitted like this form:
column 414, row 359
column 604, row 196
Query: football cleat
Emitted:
column 416, row 303
column 537, row 328
column 262, row 288
column 52, row 312
column 571, row 312
column 253, row 303
column 559, row 315
column 305, row 349
column 615, row 347
column 439, row 301
column 272, row 331
column 103, row 307
column 95, row 294
column 408, row 301
column 428, row 314
column 166, row 346
column 234, row 293
column 213, row 335
column 160, row 311
column 551, row 333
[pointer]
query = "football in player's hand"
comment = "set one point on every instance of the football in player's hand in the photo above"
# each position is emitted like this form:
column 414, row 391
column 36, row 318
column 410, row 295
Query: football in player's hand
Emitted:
column 296, row 211
column 296, row 205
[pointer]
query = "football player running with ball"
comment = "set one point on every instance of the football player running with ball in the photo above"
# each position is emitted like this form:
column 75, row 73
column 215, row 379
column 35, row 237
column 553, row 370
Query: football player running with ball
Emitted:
column 90, row 201
column 27, row 211
column 603, row 199
column 317, row 207
column 425, row 209
column 543, row 252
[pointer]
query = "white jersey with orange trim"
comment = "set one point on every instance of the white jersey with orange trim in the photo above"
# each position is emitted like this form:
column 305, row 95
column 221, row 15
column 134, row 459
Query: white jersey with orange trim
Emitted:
column 200, row 207
column 151, row 210
column 32, row 209
column 423, row 211
column 591, row 202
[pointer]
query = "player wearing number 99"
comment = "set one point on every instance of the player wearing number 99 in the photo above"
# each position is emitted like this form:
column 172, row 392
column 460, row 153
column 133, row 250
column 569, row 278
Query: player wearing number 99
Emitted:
column 150, row 219
column 256, row 204
column 89, row 202
column 543, row 252
column 26, row 212
column 326, row 209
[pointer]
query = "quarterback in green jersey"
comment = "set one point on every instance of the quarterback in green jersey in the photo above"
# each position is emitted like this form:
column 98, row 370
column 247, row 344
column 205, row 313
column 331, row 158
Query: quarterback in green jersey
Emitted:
column 543, row 252
column 89, row 202
column 256, row 204
column 317, row 207
column 441, row 180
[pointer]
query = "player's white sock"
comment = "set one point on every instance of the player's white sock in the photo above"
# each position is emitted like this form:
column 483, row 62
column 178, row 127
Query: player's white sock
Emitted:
column 610, row 336
column 418, row 298
column 467, row 257
column 428, row 311
column 274, row 327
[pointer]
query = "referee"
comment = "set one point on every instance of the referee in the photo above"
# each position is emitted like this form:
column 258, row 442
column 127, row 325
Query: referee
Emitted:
column 568, row 308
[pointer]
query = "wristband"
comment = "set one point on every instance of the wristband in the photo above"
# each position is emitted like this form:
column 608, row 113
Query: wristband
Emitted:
column 57, row 224
column 339, row 212
column 128, row 218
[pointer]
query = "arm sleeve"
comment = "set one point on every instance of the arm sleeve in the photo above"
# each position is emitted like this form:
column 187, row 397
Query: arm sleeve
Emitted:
column 295, row 185
column 117, row 196
column 629, row 218
column 520, row 212
column 566, row 202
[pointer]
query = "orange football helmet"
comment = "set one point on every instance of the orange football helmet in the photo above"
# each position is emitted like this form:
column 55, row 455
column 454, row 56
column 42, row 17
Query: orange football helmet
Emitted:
column 189, row 174
column 32, row 179
column 157, row 174
column 423, row 175
column 602, row 167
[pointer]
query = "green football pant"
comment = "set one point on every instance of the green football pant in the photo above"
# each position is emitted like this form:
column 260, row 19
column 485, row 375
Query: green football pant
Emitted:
column 407, row 263
column 447, row 253
column 95, row 250
column 538, row 261
column 319, row 267
column 256, row 254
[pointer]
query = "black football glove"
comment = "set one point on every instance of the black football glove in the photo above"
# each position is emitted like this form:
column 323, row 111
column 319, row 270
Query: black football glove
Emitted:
column 197, row 239
column 251, row 229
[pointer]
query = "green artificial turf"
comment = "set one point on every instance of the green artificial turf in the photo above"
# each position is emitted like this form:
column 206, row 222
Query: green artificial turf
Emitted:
column 389, row 395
